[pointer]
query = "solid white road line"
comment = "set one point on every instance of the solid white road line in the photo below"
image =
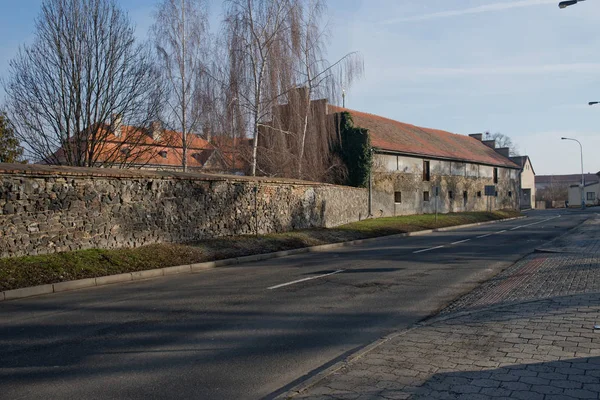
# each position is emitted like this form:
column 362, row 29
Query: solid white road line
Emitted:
column 501, row 231
column 483, row 236
column 424, row 250
column 516, row 227
column 462, row 241
column 305, row 279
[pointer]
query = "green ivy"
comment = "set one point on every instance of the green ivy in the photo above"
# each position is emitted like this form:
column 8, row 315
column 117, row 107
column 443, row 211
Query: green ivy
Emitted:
column 354, row 150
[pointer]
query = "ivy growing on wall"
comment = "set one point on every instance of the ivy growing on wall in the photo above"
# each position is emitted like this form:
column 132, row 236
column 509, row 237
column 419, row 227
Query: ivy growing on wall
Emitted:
column 354, row 150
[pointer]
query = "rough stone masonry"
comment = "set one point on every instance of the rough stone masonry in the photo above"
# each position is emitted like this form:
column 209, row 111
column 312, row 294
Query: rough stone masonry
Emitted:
column 47, row 209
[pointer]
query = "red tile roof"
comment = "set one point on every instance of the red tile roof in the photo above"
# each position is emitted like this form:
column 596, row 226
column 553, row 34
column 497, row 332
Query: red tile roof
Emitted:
column 394, row 136
column 148, row 151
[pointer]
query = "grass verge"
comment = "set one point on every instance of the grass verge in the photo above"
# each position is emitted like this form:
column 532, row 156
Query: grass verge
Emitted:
column 19, row 272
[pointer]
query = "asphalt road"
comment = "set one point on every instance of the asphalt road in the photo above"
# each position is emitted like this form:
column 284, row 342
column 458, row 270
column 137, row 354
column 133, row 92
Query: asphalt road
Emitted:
column 252, row 330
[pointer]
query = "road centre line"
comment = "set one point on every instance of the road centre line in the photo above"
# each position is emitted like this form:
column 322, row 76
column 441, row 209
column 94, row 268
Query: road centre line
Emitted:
column 539, row 222
column 484, row 236
column 462, row 241
column 305, row 279
column 424, row 250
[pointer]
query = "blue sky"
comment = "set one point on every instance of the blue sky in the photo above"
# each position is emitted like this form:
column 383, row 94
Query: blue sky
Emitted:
column 521, row 67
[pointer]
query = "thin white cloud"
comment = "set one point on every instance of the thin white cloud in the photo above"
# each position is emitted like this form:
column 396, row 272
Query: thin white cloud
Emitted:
column 498, row 70
column 473, row 10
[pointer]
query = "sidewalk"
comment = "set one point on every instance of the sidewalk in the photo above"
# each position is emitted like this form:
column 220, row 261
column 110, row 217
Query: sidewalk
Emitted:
column 526, row 334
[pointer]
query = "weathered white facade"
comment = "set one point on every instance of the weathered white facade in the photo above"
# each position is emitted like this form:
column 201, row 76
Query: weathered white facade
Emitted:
column 401, row 186
column 527, row 182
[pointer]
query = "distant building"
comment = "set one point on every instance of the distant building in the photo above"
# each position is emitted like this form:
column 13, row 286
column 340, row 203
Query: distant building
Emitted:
column 546, row 181
column 555, row 189
column 526, row 181
column 591, row 194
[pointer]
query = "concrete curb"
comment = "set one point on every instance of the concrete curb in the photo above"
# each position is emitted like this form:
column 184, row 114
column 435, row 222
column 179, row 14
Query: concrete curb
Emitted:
column 74, row 285
column 186, row 269
column 315, row 379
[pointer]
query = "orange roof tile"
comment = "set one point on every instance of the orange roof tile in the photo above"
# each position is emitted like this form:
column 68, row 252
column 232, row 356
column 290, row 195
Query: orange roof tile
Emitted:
column 149, row 151
column 395, row 136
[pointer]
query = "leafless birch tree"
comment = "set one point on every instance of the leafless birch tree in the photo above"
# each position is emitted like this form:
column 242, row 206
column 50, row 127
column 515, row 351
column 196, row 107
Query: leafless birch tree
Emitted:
column 316, row 75
column 259, row 31
column 83, row 68
column 180, row 34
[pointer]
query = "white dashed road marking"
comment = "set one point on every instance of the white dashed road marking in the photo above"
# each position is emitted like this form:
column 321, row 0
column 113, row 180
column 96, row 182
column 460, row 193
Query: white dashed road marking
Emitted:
column 424, row 250
column 462, row 241
column 305, row 279
column 484, row 236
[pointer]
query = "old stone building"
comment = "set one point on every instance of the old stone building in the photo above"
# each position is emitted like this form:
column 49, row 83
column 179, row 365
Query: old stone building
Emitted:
column 414, row 170
column 418, row 170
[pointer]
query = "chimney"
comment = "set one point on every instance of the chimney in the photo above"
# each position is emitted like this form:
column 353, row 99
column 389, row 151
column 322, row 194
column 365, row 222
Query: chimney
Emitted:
column 207, row 133
column 156, row 130
column 116, row 124
column 503, row 151
column 490, row 143
column 478, row 136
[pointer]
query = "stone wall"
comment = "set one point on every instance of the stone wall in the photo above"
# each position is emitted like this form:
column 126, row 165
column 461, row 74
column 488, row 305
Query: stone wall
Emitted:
column 47, row 209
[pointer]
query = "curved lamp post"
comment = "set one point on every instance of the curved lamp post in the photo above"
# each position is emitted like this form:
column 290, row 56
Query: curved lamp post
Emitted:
column 565, row 4
column 582, row 178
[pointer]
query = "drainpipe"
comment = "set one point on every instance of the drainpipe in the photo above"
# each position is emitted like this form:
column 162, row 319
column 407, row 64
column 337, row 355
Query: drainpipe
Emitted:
column 371, row 187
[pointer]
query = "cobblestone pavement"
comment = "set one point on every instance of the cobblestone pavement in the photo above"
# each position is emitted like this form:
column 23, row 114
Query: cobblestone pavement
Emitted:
column 526, row 334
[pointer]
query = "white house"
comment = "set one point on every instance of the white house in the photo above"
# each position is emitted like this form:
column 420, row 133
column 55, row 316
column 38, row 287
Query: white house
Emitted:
column 591, row 194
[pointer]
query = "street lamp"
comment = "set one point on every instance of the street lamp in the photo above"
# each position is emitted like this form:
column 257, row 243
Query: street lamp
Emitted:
column 582, row 178
column 565, row 4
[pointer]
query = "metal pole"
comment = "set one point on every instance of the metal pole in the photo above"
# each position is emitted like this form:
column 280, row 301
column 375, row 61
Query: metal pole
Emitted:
column 436, row 204
column 371, row 187
column 370, row 195
column 582, row 178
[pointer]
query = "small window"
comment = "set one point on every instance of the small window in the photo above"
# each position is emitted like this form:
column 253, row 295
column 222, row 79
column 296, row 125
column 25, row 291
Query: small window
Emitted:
column 397, row 197
column 426, row 171
column 163, row 153
column 496, row 194
column 465, row 195
column 479, row 194
column 450, row 194
column 591, row 196
column 509, row 193
column 426, row 196
column 495, row 175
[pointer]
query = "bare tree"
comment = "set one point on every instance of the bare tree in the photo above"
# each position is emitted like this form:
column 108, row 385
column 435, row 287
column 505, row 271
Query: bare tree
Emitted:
column 313, row 72
column 180, row 34
column 503, row 141
column 82, row 70
column 258, row 32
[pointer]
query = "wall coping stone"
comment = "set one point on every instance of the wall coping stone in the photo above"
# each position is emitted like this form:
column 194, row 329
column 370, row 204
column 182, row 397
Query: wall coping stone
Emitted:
column 43, row 171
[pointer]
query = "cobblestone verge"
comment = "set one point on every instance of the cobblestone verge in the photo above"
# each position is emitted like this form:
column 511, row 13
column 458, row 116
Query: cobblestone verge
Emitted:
column 536, row 341
column 567, row 265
